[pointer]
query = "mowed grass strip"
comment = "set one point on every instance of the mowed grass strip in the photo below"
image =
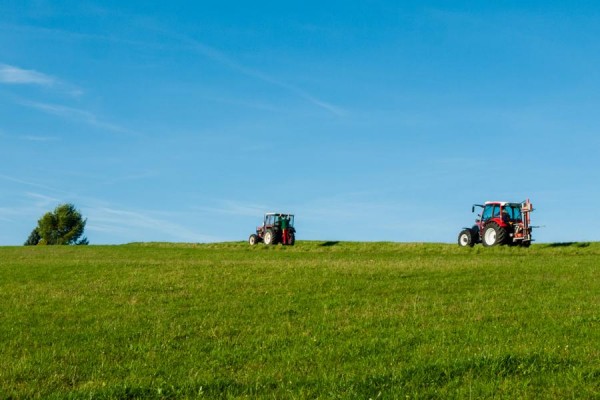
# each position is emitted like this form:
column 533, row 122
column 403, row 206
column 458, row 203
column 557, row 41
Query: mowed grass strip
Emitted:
column 317, row 320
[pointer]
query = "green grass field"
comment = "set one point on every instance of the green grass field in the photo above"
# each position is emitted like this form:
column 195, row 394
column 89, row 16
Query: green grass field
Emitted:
column 317, row 320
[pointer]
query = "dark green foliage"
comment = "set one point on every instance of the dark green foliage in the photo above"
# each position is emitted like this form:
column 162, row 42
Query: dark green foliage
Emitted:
column 63, row 226
column 34, row 238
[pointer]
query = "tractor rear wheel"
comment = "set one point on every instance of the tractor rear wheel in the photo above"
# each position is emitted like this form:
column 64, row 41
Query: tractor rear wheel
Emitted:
column 465, row 238
column 493, row 234
column 269, row 237
column 253, row 239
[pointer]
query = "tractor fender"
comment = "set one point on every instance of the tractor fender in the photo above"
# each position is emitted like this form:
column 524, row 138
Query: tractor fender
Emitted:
column 474, row 228
column 499, row 221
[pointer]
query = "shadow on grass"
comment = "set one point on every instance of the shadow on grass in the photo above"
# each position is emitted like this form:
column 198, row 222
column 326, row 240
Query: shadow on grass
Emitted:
column 329, row 244
column 569, row 244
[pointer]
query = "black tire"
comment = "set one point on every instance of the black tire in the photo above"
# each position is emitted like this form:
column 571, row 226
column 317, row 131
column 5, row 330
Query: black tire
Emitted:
column 525, row 243
column 465, row 238
column 291, row 239
column 270, row 237
column 253, row 239
column 493, row 234
column 475, row 234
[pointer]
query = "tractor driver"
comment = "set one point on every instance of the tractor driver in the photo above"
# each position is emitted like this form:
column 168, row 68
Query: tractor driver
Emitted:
column 285, row 222
column 505, row 217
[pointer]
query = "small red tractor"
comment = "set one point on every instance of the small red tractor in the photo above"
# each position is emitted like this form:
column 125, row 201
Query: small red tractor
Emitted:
column 272, row 230
column 499, row 223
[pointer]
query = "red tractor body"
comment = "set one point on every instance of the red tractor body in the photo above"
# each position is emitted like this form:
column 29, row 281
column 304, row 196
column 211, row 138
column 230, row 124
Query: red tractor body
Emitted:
column 500, row 222
column 276, row 228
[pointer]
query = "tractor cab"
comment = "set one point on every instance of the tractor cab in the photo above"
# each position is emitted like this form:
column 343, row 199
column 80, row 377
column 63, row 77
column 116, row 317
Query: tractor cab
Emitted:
column 276, row 228
column 273, row 220
column 505, row 213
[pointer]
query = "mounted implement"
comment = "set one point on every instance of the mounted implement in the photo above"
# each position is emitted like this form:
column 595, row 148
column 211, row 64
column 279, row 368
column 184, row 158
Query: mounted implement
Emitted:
column 276, row 228
column 500, row 223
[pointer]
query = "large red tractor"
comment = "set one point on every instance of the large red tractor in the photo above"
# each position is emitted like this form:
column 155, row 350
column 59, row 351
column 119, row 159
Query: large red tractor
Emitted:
column 499, row 223
column 276, row 228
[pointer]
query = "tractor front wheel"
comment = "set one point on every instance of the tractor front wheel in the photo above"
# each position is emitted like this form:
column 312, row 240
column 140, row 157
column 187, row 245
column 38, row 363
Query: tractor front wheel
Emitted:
column 253, row 239
column 291, row 239
column 269, row 237
column 493, row 234
column 465, row 238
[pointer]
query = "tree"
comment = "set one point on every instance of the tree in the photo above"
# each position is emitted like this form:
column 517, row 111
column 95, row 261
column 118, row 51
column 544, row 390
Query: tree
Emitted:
column 63, row 226
column 34, row 238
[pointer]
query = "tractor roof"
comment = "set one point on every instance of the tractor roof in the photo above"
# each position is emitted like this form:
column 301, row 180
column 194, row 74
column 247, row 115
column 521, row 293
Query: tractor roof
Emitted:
column 502, row 203
column 278, row 213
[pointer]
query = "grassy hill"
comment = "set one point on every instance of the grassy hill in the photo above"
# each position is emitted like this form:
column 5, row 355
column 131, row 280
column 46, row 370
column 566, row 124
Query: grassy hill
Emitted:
column 317, row 320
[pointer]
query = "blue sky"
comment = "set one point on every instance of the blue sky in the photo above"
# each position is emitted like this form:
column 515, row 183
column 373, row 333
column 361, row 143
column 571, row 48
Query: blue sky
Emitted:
column 185, row 121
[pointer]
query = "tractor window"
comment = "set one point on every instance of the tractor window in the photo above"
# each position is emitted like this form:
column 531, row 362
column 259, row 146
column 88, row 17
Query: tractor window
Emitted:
column 514, row 212
column 496, row 212
column 517, row 213
column 487, row 213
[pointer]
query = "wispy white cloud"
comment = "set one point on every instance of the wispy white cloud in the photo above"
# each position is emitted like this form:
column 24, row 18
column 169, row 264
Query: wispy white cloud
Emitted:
column 33, row 138
column 25, row 182
column 13, row 75
column 27, row 206
column 219, row 57
column 10, row 74
column 206, row 51
column 43, row 200
column 77, row 115
column 144, row 225
column 8, row 213
column 106, row 223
